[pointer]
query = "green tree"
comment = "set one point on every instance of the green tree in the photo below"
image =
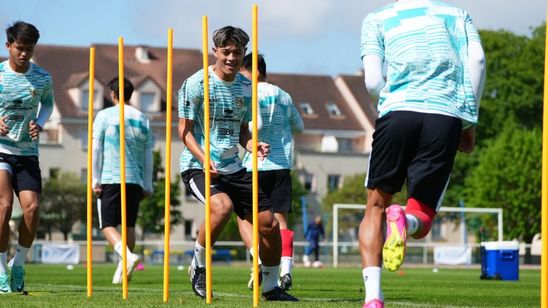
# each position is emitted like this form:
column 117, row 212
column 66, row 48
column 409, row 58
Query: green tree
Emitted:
column 509, row 176
column 63, row 202
column 151, row 209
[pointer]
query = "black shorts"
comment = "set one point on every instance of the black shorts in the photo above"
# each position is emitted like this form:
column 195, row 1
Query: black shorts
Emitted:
column 276, row 184
column 26, row 173
column 237, row 185
column 109, row 208
column 417, row 147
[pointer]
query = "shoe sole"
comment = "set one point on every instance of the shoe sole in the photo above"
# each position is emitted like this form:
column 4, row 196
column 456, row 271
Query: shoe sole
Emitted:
column 393, row 251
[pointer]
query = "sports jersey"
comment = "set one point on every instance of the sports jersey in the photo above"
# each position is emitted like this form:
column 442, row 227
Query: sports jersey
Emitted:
column 138, row 139
column 279, row 119
column 425, row 46
column 230, row 106
column 21, row 96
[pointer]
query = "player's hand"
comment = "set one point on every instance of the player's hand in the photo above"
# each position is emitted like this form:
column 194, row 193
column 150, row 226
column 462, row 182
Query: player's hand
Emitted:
column 147, row 193
column 213, row 172
column 467, row 140
column 4, row 128
column 97, row 188
column 34, row 130
column 263, row 150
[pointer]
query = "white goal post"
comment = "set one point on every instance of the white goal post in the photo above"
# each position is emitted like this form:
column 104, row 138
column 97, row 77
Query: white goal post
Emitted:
column 338, row 206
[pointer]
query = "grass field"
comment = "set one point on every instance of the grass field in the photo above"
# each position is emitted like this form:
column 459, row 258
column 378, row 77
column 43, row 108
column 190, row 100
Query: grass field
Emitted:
column 55, row 286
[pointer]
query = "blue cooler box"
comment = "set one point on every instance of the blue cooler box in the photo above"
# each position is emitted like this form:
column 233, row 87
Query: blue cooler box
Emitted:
column 500, row 260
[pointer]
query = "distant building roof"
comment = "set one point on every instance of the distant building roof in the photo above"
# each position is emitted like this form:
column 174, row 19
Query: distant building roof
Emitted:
column 356, row 85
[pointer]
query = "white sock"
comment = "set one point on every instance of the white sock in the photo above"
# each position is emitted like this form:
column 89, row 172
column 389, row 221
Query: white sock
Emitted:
column 270, row 277
column 3, row 264
column 251, row 254
column 372, row 280
column 199, row 255
column 412, row 224
column 286, row 264
column 118, row 249
column 20, row 255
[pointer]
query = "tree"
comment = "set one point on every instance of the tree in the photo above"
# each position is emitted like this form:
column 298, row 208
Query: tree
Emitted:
column 151, row 209
column 509, row 176
column 63, row 202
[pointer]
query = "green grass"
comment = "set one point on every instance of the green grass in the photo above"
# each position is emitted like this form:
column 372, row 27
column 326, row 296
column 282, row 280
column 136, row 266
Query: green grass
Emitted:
column 55, row 286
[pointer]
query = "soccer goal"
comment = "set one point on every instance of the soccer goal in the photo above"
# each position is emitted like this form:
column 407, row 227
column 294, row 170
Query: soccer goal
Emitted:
column 337, row 208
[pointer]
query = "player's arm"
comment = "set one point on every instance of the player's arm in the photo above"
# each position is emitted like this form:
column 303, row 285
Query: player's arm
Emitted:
column 149, row 164
column 44, row 113
column 186, row 134
column 246, row 141
column 296, row 121
column 97, row 150
column 373, row 73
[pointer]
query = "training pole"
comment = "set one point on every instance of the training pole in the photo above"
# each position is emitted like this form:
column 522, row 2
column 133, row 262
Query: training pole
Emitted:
column 167, row 184
column 167, row 203
column 207, row 160
column 121, row 102
column 89, row 219
column 255, row 173
column 544, row 231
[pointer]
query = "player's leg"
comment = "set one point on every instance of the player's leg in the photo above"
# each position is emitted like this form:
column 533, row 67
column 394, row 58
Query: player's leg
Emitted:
column 278, row 189
column 6, row 206
column 394, row 140
column 246, row 232
column 28, row 186
column 429, row 171
column 221, row 209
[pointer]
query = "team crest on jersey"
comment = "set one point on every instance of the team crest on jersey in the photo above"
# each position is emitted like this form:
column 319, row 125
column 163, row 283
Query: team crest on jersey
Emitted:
column 239, row 101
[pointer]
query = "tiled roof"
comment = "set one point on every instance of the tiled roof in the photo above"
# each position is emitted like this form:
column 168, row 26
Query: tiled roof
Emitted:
column 356, row 85
column 69, row 66
column 317, row 90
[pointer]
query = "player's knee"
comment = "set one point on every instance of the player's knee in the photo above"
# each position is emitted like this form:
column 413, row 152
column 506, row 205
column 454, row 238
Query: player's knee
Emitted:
column 424, row 214
column 222, row 209
column 268, row 225
column 6, row 204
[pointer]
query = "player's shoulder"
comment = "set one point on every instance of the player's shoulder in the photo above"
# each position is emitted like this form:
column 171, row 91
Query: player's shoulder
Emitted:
column 242, row 80
column 448, row 9
column 40, row 72
column 196, row 79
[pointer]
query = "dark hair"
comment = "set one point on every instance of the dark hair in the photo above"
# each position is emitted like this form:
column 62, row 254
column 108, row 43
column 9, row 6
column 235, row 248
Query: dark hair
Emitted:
column 248, row 63
column 128, row 88
column 22, row 32
column 230, row 35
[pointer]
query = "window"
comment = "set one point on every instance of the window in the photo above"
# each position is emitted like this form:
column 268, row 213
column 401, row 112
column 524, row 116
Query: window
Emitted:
column 345, row 145
column 306, row 108
column 188, row 228
column 148, row 102
column 333, row 182
column 333, row 109
column 85, row 100
column 84, row 139
column 309, row 182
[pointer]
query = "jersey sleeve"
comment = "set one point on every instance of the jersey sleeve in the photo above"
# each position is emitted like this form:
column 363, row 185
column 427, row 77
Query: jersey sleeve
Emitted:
column 190, row 96
column 372, row 42
column 295, row 119
column 248, row 113
column 150, row 140
column 472, row 34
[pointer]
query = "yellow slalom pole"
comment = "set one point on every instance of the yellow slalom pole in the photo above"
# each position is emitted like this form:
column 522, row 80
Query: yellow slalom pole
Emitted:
column 89, row 220
column 544, row 231
column 121, row 102
column 167, row 192
column 255, row 173
column 207, row 160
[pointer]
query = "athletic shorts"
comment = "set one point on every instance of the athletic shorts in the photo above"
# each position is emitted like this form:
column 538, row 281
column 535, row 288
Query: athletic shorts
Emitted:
column 417, row 147
column 276, row 184
column 109, row 206
column 237, row 185
column 24, row 170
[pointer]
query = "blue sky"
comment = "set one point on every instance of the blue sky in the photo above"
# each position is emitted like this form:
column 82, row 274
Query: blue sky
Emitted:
column 296, row 36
